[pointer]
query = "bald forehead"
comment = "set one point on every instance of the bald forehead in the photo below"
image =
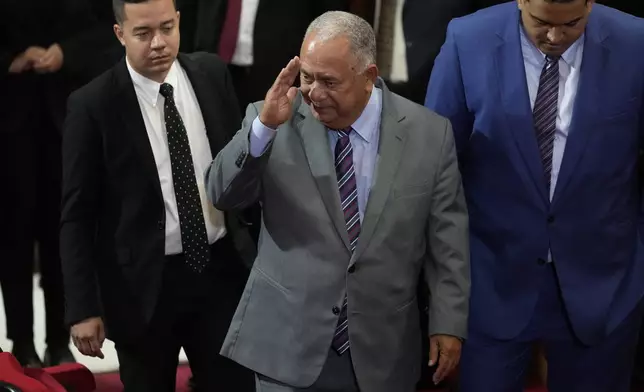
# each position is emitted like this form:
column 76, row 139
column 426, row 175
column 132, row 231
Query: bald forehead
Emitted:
column 318, row 48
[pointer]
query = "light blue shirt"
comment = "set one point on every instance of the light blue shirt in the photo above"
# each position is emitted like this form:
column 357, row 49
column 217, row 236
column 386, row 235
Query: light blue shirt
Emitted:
column 569, row 70
column 364, row 141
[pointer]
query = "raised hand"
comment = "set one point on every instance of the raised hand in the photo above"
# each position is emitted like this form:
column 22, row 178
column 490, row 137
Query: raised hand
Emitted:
column 278, row 104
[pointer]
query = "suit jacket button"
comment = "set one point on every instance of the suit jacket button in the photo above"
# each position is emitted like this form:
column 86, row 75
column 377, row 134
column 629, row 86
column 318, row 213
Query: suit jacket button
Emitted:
column 551, row 218
column 352, row 269
column 336, row 310
column 160, row 225
column 541, row 261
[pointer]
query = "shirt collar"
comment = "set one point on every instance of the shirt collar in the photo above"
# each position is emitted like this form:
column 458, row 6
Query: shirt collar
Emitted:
column 569, row 56
column 367, row 124
column 148, row 88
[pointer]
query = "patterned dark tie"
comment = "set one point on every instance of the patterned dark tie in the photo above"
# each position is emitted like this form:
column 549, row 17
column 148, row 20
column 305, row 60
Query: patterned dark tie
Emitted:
column 345, row 172
column 194, row 238
column 545, row 113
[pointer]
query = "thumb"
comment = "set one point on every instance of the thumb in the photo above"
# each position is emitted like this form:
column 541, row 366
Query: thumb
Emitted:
column 291, row 94
column 433, row 352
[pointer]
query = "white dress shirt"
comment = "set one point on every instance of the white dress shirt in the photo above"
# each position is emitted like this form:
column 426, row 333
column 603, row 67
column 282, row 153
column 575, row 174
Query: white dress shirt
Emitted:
column 243, row 55
column 151, row 103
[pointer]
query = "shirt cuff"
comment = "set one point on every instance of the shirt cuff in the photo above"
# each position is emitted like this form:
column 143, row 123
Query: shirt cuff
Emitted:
column 260, row 137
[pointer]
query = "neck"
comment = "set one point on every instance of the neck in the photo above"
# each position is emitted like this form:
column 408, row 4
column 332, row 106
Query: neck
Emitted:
column 158, row 77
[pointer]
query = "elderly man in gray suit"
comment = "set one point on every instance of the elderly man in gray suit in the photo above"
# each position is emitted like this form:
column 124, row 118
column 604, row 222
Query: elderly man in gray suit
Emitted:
column 360, row 190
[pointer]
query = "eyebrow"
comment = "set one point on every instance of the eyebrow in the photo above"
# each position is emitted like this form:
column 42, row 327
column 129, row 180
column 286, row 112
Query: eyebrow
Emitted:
column 146, row 28
column 555, row 24
column 326, row 77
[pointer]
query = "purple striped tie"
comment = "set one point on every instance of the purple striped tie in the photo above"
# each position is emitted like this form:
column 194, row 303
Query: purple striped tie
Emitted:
column 349, row 200
column 545, row 113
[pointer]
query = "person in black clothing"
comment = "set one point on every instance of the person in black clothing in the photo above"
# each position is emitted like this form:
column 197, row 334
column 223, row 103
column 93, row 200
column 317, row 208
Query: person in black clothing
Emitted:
column 147, row 261
column 47, row 49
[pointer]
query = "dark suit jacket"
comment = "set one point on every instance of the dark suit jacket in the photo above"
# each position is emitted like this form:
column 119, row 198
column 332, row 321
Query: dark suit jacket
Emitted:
column 113, row 215
column 279, row 29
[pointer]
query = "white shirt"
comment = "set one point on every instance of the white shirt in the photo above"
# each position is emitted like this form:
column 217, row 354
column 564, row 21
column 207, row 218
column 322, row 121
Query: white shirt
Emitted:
column 243, row 55
column 151, row 103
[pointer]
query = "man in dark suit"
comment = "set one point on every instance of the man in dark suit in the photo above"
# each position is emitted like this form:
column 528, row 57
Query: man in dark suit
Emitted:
column 147, row 262
column 47, row 49
column 546, row 100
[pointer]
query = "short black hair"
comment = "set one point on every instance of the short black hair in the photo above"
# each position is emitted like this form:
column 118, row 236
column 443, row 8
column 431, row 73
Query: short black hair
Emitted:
column 118, row 7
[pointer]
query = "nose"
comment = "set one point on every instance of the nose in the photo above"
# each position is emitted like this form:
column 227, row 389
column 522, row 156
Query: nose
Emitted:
column 555, row 35
column 316, row 92
column 157, row 42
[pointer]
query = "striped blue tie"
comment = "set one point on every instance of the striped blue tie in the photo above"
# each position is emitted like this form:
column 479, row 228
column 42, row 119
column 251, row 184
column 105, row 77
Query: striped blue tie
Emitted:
column 349, row 200
column 545, row 113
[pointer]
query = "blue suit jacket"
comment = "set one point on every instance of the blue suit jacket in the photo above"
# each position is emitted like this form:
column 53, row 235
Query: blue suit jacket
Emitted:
column 592, row 223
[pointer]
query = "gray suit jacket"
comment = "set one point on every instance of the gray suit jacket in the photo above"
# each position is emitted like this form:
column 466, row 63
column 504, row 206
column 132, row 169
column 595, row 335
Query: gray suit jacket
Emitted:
column 416, row 216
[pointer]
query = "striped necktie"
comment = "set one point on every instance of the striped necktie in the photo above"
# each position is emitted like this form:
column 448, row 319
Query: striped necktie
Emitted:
column 349, row 200
column 545, row 113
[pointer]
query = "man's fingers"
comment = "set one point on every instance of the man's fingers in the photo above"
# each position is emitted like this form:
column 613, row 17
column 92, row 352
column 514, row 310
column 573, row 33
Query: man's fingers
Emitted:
column 445, row 367
column 433, row 352
column 96, row 349
column 84, row 347
column 448, row 360
column 292, row 70
column 291, row 94
column 286, row 77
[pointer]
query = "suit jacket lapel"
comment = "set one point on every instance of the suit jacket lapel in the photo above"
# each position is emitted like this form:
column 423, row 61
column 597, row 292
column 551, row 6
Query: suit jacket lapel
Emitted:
column 318, row 154
column 588, row 99
column 207, row 100
column 516, row 103
column 390, row 148
column 131, row 117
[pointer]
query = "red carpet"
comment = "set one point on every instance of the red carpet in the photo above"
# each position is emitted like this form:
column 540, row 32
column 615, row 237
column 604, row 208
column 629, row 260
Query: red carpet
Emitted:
column 110, row 382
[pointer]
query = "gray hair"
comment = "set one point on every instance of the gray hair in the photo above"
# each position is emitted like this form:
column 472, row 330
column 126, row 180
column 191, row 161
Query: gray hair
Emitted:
column 335, row 24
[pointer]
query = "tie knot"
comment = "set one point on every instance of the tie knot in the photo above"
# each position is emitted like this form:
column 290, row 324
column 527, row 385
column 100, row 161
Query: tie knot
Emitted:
column 166, row 90
column 344, row 132
column 551, row 60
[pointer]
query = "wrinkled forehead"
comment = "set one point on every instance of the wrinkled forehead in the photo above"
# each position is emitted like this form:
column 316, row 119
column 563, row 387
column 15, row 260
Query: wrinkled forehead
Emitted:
column 334, row 55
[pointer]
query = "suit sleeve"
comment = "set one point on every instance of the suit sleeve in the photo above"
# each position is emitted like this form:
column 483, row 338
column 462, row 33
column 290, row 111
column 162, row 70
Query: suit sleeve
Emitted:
column 448, row 266
column 233, row 181
column 446, row 92
column 81, row 154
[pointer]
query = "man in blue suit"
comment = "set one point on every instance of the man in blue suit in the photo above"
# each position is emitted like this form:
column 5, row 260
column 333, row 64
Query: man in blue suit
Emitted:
column 546, row 102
